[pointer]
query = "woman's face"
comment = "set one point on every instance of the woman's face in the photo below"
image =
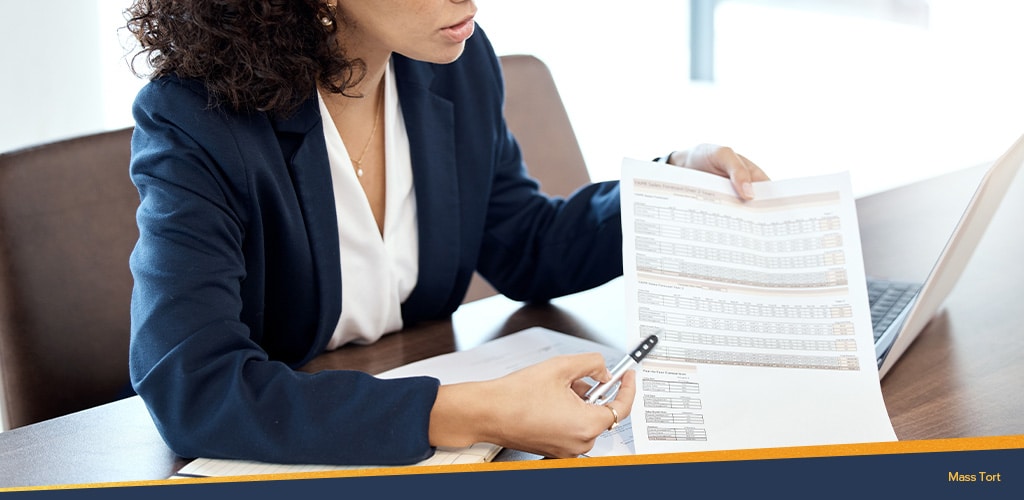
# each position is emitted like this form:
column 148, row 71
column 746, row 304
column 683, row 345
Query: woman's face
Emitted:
column 426, row 30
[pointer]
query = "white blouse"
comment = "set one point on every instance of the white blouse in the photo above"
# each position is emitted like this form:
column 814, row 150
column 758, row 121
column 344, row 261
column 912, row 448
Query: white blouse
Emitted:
column 377, row 272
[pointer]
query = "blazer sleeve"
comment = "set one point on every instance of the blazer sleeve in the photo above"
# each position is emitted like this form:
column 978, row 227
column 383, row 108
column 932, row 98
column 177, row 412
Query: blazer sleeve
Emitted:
column 210, row 388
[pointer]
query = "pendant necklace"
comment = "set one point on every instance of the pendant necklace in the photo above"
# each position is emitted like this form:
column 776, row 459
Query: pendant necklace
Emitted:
column 358, row 163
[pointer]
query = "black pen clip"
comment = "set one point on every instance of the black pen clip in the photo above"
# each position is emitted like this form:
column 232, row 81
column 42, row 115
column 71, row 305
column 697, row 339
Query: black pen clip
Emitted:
column 644, row 348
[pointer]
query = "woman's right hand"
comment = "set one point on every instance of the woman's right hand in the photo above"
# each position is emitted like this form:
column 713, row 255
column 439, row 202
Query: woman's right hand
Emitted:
column 538, row 409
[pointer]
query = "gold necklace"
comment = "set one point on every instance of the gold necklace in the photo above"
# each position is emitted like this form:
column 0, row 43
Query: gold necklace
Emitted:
column 358, row 164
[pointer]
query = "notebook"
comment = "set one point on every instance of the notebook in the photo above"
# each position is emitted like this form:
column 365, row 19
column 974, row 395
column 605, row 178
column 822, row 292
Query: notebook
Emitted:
column 900, row 318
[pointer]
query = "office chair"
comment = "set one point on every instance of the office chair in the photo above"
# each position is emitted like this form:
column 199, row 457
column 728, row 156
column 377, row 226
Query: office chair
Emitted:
column 67, row 227
column 536, row 116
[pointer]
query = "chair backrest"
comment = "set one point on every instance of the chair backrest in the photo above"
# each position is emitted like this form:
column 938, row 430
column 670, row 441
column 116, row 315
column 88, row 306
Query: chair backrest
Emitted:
column 536, row 116
column 67, row 227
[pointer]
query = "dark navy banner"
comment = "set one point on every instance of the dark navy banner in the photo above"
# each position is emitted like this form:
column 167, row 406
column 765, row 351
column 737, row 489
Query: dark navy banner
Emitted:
column 962, row 474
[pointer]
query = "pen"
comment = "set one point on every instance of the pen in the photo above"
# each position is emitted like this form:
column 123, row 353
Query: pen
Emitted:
column 631, row 359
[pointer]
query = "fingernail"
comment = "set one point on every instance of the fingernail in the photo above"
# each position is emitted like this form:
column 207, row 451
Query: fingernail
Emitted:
column 748, row 190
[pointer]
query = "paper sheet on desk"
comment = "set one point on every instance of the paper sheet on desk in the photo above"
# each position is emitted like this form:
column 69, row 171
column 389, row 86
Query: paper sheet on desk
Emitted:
column 488, row 361
column 761, row 309
column 519, row 350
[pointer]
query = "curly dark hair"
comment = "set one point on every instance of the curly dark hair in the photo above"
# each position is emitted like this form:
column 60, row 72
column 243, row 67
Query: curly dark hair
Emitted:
column 252, row 55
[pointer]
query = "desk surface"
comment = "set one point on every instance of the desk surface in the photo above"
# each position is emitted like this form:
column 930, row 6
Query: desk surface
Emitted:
column 957, row 380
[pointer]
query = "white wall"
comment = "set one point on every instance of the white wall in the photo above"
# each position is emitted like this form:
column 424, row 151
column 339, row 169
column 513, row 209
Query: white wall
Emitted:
column 799, row 90
column 119, row 83
column 51, row 83
column 801, row 87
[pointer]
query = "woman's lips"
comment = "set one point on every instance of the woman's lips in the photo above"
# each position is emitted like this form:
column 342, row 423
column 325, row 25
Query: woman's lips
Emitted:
column 460, row 32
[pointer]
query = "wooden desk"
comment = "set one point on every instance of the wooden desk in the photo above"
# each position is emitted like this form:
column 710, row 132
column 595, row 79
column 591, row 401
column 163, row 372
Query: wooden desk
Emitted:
column 959, row 379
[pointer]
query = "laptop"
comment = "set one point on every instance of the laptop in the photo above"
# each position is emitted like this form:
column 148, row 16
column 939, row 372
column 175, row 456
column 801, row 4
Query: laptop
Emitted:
column 900, row 310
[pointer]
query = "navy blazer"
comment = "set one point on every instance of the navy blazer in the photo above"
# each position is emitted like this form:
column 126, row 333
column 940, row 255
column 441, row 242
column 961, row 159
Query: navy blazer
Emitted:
column 237, row 272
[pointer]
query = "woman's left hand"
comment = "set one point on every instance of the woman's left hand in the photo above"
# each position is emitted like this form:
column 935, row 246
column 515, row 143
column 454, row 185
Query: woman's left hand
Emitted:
column 723, row 161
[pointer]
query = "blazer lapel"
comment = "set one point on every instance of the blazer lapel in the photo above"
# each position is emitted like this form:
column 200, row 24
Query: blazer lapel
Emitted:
column 429, row 120
column 302, row 141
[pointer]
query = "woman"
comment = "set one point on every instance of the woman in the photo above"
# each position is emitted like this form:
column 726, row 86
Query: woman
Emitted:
column 319, row 172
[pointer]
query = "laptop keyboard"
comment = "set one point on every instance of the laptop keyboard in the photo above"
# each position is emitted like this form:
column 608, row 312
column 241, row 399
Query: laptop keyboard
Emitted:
column 887, row 299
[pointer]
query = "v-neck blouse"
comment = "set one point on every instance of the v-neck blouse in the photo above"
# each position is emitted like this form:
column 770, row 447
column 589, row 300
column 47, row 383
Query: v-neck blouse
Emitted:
column 378, row 272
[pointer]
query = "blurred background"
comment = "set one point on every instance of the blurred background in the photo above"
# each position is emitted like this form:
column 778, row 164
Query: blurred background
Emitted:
column 890, row 90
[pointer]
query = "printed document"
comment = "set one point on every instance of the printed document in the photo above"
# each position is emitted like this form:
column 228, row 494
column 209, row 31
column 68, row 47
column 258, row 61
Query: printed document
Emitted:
column 761, row 309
